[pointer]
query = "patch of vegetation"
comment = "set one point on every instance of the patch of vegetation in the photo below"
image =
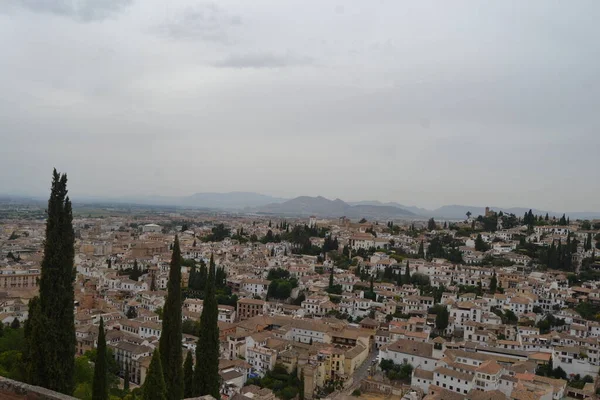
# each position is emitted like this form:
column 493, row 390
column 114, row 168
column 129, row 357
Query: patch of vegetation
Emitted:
column 284, row 385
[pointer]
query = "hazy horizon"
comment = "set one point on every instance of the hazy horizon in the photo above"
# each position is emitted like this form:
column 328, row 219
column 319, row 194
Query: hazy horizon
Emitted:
column 423, row 103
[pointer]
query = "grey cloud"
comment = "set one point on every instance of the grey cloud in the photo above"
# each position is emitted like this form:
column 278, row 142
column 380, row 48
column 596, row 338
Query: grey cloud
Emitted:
column 206, row 21
column 424, row 103
column 262, row 60
column 79, row 10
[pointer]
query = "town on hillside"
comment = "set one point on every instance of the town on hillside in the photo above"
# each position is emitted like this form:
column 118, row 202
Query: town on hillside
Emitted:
column 496, row 306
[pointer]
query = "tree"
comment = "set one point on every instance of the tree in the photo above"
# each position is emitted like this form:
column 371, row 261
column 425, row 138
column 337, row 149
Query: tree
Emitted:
column 563, row 220
column 206, row 373
column 153, row 283
column 136, row 272
column 442, row 318
column 15, row 324
column 171, row 336
column 331, row 278
column 493, row 283
column 480, row 245
column 131, row 313
column 154, row 387
column 431, row 225
column 126, row 378
column 407, row 273
column 52, row 330
column 421, row 252
column 469, row 214
column 301, row 388
column 100, row 383
column 188, row 376
column 588, row 242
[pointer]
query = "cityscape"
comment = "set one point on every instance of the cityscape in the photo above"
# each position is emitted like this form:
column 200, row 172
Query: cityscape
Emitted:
column 269, row 306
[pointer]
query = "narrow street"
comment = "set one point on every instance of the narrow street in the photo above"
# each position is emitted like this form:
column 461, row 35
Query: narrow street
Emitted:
column 358, row 375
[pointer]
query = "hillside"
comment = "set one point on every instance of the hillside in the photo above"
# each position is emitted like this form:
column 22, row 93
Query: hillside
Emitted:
column 322, row 207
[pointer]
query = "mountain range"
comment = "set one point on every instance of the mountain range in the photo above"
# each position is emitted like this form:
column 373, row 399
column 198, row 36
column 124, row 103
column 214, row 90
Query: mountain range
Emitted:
column 322, row 207
column 306, row 205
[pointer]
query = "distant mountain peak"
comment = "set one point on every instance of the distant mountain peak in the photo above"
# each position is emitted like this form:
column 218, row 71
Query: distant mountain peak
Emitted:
column 321, row 206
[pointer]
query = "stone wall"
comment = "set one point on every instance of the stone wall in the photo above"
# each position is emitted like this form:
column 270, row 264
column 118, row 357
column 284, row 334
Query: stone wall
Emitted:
column 10, row 389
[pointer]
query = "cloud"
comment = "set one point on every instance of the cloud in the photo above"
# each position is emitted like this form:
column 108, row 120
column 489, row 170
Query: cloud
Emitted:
column 206, row 21
column 79, row 10
column 262, row 60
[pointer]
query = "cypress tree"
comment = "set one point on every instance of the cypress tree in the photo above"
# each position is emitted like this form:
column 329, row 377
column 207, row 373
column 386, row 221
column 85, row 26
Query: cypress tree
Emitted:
column 15, row 324
column 206, row 374
column 407, row 273
column 171, row 336
column 188, row 376
column 1, row 329
column 301, row 388
column 331, row 278
column 154, row 387
column 126, row 378
column 153, row 283
column 100, row 383
column 52, row 328
column 421, row 252
column 493, row 283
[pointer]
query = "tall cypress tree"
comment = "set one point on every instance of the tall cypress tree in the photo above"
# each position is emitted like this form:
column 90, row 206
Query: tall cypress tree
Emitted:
column 493, row 283
column 154, row 386
column 126, row 378
column 171, row 336
column 52, row 327
column 188, row 376
column 407, row 273
column 100, row 384
column 206, row 374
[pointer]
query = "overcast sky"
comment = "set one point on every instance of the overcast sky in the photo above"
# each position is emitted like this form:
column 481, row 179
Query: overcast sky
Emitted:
column 421, row 102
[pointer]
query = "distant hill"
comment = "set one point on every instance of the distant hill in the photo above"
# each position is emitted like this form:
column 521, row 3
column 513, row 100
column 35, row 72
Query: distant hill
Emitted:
column 415, row 210
column 223, row 201
column 231, row 200
column 322, row 207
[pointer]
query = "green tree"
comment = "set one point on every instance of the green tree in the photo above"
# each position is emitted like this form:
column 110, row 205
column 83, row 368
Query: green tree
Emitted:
column 188, row 376
column 563, row 220
column 15, row 324
column 153, row 283
column 421, row 252
column 480, row 245
column 407, row 272
column 171, row 336
column 431, row 225
column 588, row 242
column 493, row 283
column 331, row 278
column 126, row 378
column 154, row 387
column 136, row 272
column 131, row 312
column 206, row 373
column 100, row 384
column 52, row 330
column 442, row 318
